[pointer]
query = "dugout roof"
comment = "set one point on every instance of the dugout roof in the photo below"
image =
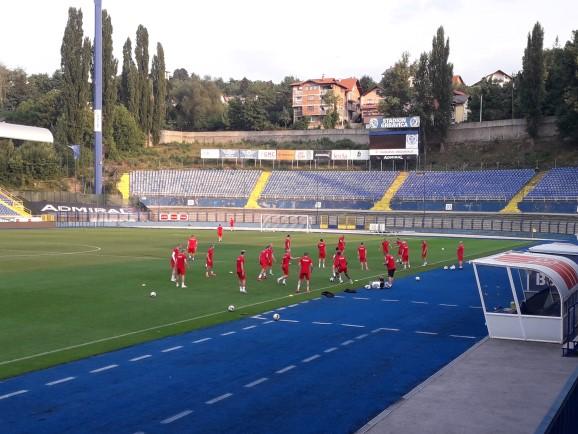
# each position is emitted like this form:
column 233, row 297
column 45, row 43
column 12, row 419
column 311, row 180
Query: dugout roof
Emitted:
column 556, row 249
column 24, row 132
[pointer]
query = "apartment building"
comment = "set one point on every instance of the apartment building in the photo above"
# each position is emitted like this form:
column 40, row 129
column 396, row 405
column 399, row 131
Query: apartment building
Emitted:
column 369, row 103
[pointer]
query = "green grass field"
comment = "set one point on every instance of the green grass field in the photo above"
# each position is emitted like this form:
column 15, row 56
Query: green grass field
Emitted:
column 70, row 293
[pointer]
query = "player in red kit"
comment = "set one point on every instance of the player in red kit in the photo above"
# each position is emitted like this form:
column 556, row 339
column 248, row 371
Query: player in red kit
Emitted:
column 181, row 266
column 231, row 223
column 399, row 245
column 460, row 253
column 390, row 264
column 241, row 272
column 321, row 248
column 335, row 265
column 192, row 247
column 285, row 262
column 305, row 266
column 424, row 252
column 405, row 255
column 270, row 259
column 362, row 255
column 341, row 243
column 342, row 268
column 385, row 248
column 220, row 232
column 288, row 242
column 263, row 263
column 209, row 261
column 174, row 254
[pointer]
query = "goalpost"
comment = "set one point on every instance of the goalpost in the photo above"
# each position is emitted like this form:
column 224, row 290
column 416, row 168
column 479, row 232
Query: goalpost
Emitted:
column 274, row 222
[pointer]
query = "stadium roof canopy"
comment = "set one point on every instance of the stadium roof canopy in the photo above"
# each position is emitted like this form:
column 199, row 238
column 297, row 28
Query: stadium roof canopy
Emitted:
column 24, row 132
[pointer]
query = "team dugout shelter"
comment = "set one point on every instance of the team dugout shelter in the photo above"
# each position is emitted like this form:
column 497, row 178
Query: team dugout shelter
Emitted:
column 528, row 296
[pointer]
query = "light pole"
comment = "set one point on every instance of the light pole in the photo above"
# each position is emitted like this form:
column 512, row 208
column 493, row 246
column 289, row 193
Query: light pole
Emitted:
column 98, row 97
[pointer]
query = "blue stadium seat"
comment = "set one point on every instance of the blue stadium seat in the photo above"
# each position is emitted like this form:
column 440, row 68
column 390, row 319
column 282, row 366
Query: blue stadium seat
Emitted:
column 558, row 184
column 7, row 212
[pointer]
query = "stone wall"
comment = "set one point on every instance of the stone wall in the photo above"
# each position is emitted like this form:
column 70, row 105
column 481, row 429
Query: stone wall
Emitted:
column 508, row 129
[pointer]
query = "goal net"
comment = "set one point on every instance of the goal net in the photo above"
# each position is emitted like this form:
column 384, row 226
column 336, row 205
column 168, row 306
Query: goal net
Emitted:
column 274, row 222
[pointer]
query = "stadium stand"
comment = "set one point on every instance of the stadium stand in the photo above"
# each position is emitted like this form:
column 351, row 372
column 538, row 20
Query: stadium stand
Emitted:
column 306, row 189
column 484, row 190
column 557, row 192
column 7, row 212
column 12, row 206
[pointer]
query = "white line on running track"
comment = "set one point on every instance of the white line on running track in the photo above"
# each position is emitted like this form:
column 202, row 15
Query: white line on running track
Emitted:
column 293, row 305
column 386, row 299
column 304, row 302
column 348, row 342
column 207, row 315
column 425, row 333
column 353, row 325
column 285, row 369
column 258, row 317
column 281, row 308
column 176, row 417
column 388, row 329
column 104, row 368
column 288, row 320
column 254, row 383
column 475, row 307
column 266, row 313
column 9, row 395
column 448, row 305
column 228, row 333
column 136, row 359
column 249, row 327
column 198, row 341
column 364, row 335
column 219, row 398
column 62, row 380
column 322, row 323
column 361, row 298
column 339, row 296
column 168, row 350
column 463, row 336
column 419, row 302
column 330, row 350
column 310, row 359
column 268, row 322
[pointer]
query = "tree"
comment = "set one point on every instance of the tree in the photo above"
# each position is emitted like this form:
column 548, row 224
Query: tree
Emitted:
column 567, row 112
column 128, row 83
column 127, row 133
column 396, row 83
column 440, row 75
column 366, row 83
column 109, row 90
column 76, row 63
column 532, row 80
column 497, row 100
column 159, row 93
column 144, row 94
column 332, row 101
column 423, row 98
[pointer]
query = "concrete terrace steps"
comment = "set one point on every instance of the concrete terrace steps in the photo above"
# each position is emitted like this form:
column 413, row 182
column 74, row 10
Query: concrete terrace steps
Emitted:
column 256, row 193
column 512, row 206
column 384, row 204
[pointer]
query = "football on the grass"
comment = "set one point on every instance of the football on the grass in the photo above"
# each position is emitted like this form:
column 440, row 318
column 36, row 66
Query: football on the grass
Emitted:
column 231, row 308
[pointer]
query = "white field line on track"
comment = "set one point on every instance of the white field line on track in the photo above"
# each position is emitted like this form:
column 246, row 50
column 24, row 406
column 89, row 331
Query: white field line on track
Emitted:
column 352, row 325
column 361, row 298
column 93, row 249
column 136, row 359
column 310, row 359
column 10, row 395
column 322, row 323
column 256, row 382
column 389, row 300
column 228, row 333
column 463, row 336
column 448, row 305
column 285, row 369
column 198, row 341
column 168, row 350
column 425, row 333
column 386, row 329
column 176, row 417
column 249, row 327
column 104, row 368
column 293, row 305
column 208, row 315
column 363, row 336
column 62, row 380
column 281, row 308
column 288, row 320
column 419, row 302
column 218, row 398
column 268, row 322
column 348, row 342
column 330, row 350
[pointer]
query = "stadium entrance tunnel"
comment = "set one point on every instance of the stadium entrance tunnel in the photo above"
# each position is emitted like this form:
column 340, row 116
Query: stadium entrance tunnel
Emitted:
column 528, row 296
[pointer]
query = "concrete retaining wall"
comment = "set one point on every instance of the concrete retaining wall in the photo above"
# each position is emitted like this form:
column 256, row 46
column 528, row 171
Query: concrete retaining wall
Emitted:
column 508, row 129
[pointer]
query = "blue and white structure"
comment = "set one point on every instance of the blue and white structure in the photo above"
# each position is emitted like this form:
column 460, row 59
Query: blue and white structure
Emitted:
column 98, row 156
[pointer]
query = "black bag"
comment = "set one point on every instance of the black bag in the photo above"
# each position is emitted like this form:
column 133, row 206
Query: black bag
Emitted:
column 328, row 294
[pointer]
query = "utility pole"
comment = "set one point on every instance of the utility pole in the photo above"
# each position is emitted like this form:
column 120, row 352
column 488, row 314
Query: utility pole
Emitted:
column 98, row 97
column 481, row 105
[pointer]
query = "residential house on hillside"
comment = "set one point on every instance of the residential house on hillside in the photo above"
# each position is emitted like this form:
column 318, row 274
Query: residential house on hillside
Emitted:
column 499, row 77
column 352, row 97
column 460, row 108
column 369, row 102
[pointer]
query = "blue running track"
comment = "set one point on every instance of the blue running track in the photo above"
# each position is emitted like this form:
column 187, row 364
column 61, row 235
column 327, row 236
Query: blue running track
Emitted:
column 329, row 365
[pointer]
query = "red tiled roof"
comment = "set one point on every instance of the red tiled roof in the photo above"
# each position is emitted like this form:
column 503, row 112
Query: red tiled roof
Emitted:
column 350, row 82
column 457, row 79
column 320, row 81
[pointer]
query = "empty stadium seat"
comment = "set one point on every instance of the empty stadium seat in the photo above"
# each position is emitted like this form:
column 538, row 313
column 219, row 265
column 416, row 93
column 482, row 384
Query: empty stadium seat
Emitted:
column 558, row 184
column 7, row 212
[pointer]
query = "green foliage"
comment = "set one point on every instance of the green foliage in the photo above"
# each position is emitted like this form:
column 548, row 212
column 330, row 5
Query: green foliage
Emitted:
column 20, row 165
column 40, row 112
column 567, row 110
column 423, row 98
column 396, row 81
column 497, row 101
column 366, row 83
column 331, row 101
column 159, row 93
column 127, row 134
column 440, row 75
column 144, row 94
column 109, row 89
column 129, row 92
column 532, row 89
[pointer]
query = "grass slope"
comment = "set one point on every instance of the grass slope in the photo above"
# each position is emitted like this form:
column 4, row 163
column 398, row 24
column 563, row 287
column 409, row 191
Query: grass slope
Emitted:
column 68, row 294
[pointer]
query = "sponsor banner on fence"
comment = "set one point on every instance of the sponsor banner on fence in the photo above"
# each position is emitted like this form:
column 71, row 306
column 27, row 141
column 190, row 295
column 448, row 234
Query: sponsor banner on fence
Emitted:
column 381, row 122
column 229, row 154
column 322, row 155
column 52, row 207
column 267, row 154
column 340, row 154
column 248, row 154
column 210, row 153
column 304, row 155
column 381, row 152
column 359, row 154
column 285, row 154
column 173, row 217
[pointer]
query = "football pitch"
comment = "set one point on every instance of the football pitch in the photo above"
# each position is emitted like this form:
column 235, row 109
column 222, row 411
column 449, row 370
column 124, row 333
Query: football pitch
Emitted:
column 71, row 293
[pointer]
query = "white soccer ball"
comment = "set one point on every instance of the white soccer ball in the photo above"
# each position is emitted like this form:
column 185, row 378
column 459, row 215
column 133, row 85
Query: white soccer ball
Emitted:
column 453, row 267
column 367, row 286
column 231, row 308
column 443, row 248
column 332, row 279
column 153, row 294
column 417, row 278
column 276, row 316
column 445, row 267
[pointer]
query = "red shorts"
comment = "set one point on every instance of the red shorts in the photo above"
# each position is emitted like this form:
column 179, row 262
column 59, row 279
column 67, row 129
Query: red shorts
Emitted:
column 209, row 264
column 461, row 258
column 181, row 271
column 362, row 259
column 241, row 275
column 305, row 276
column 285, row 270
column 342, row 270
column 269, row 263
column 322, row 255
column 405, row 258
column 191, row 250
column 263, row 264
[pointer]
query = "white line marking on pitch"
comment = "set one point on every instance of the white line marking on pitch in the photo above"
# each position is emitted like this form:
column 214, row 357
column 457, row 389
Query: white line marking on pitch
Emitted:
column 256, row 382
column 281, row 308
column 310, row 359
column 322, row 323
column 348, row 342
column 62, row 380
column 304, row 302
column 288, row 320
column 389, row 299
column 219, row 398
column 104, row 368
column 228, row 333
column 176, row 417
column 419, row 302
column 364, row 335
column 330, row 350
column 361, row 298
column 285, row 369
column 425, row 333
column 352, row 325
column 265, row 313
column 168, row 350
column 9, row 395
column 448, row 305
column 198, row 341
column 249, row 327
column 463, row 336
column 136, row 359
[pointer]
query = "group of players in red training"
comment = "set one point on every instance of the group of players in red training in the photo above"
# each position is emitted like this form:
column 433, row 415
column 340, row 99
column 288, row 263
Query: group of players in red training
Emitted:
column 267, row 258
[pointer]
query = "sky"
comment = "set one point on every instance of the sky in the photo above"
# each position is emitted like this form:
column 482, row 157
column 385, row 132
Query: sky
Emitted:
column 268, row 40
